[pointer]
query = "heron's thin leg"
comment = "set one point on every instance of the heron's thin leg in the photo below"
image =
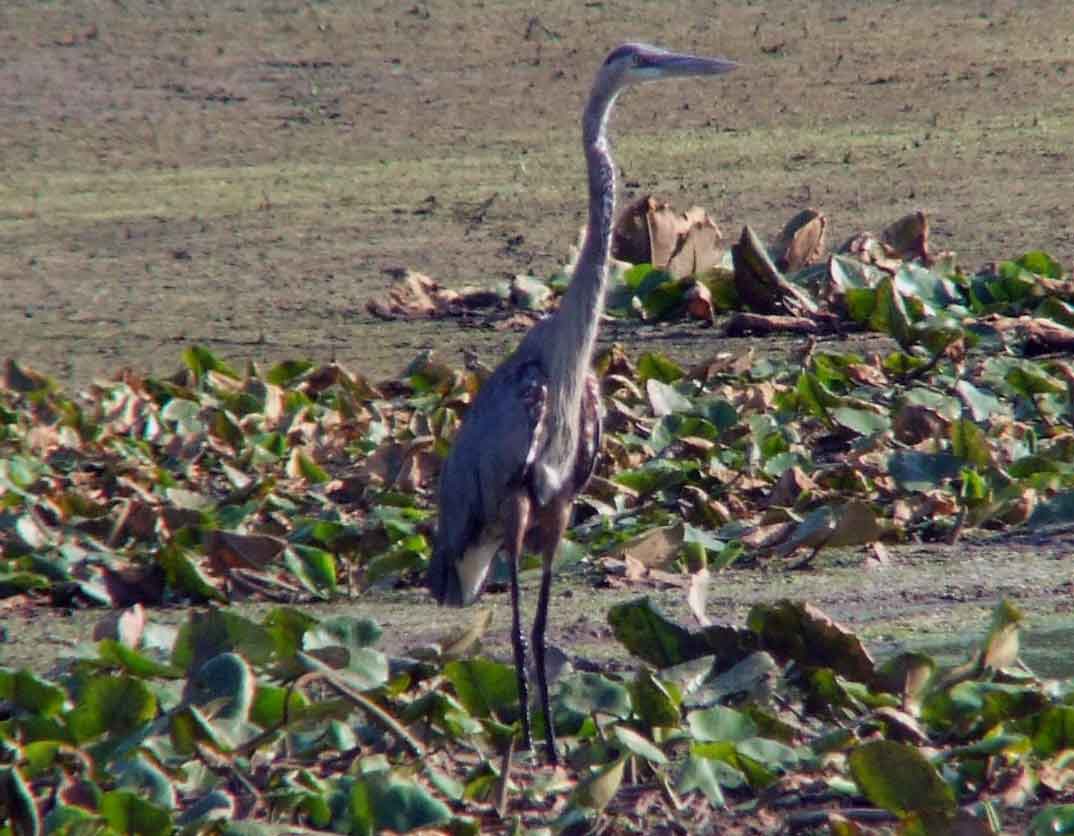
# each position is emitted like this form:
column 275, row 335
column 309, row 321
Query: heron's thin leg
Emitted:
column 517, row 519
column 555, row 523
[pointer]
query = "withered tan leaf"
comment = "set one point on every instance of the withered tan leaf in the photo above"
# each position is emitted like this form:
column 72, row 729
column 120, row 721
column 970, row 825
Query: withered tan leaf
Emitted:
column 656, row 547
column 696, row 594
column 802, row 241
column 228, row 549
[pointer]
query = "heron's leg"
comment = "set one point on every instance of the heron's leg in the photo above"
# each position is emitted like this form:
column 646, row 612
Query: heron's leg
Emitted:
column 554, row 524
column 517, row 519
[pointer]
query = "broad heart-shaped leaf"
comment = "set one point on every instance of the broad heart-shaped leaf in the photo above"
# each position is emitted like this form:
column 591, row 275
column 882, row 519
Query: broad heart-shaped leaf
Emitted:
column 185, row 575
column 699, row 773
column 665, row 398
column 315, row 568
column 720, row 723
column 1039, row 262
column 207, row 634
column 917, row 471
column 655, row 702
column 1053, row 820
column 899, row 779
column 775, row 756
column 1029, row 379
column 140, row 774
column 201, row 361
column 596, row 791
column 285, row 373
column 126, row 812
column 113, row 704
column 982, row 403
column 931, row 291
column 802, row 632
column 652, row 366
column 343, row 631
column 881, row 308
column 654, row 475
column 591, row 693
column 639, row 745
column 380, row 802
column 227, row 682
column 647, row 634
column 861, row 421
column 815, row 397
column 484, row 687
column 31, row 693
column 133, row 661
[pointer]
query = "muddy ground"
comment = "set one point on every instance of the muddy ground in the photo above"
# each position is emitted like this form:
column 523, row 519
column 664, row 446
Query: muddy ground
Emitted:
column 247, row 175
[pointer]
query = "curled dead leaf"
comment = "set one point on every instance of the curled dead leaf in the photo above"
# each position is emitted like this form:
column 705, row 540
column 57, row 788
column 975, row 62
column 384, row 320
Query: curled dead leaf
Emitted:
column 415, row 295
column 695, row 596
column 915, row 423
column 226, row 549
column 656, row 547
column 802, row 241
column 650, row 231
column 760, row 284
column 699, row 302
column 125, row 626
column 908, row 237
column 791, row 485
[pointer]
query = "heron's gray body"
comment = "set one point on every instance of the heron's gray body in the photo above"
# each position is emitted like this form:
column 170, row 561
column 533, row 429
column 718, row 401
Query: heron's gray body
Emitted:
column 509, row 422
column 529, row 442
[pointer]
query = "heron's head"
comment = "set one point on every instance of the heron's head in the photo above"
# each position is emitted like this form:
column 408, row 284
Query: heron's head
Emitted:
column 633, row 63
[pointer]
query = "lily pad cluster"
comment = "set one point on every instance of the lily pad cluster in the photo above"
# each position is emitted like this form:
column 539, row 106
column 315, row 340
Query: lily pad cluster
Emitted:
column 302, row 480
column 229, row 725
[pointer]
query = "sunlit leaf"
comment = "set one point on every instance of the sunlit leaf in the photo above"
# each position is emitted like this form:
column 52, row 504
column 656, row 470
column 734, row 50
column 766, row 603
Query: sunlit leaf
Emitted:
column 113, row 704
column 653, row 366
column 638, row 745
column 720, row 723
column 899, row 779
column 596, row 791
column 646, row 633
column 484, row 687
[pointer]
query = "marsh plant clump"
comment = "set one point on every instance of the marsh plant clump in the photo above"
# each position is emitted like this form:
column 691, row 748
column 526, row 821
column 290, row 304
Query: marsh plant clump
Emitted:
column 310, row 482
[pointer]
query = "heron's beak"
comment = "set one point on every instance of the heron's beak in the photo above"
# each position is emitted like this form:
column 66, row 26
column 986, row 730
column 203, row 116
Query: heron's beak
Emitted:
column 671, row 64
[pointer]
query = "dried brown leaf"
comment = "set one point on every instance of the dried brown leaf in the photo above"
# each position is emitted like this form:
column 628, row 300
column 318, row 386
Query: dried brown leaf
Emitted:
column 915, row 423
column 791, row 485
column 227, row 549
column 802, row 241
column 908, row 237
column 695, row 596
column 760, row 284
column 656, row 547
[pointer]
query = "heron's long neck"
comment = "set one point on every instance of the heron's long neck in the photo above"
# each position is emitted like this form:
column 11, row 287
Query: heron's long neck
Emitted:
column 579, row 313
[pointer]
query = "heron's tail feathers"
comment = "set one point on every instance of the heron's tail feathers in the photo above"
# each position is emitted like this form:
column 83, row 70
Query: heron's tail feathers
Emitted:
column 443, row 580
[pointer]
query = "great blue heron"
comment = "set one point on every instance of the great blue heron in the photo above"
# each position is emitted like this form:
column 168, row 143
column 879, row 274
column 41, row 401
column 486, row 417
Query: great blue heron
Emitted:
column 529, row 442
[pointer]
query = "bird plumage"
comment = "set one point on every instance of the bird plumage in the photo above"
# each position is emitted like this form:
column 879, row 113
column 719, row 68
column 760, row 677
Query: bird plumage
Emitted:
column 529, row 442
